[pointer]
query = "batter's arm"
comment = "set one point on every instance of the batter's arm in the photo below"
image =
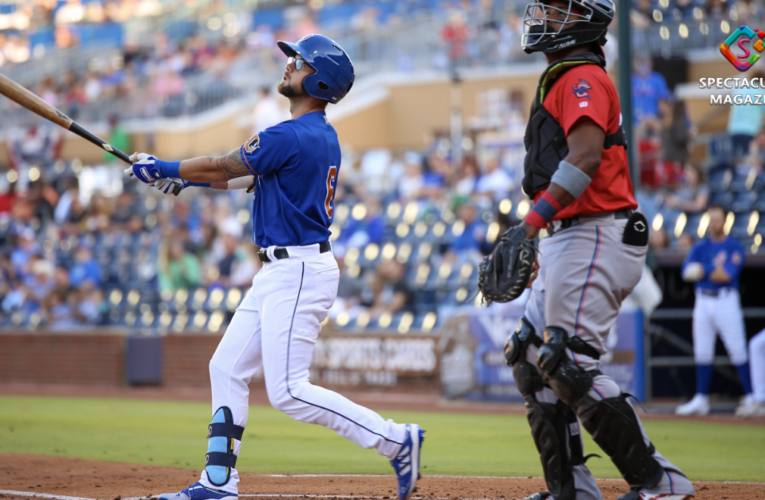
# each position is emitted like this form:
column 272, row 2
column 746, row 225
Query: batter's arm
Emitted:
column 215, row 170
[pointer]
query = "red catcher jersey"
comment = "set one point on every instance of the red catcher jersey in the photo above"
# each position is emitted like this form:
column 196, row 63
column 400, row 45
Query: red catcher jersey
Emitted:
column 587, row 90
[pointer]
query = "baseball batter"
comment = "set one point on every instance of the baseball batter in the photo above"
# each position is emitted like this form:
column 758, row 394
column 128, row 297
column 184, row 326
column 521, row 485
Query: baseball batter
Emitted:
column 294, row 166
column 714, row 264
column 577, row 173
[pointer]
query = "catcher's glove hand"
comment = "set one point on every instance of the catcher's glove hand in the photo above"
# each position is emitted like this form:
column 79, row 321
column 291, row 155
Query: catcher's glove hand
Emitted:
column 504, row 274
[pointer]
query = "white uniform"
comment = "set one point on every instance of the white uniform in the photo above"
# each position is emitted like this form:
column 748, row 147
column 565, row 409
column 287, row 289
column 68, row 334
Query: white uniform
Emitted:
column 275, row 328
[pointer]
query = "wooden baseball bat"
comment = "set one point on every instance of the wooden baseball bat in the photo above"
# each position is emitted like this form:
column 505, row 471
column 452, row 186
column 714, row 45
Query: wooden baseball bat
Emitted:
column 35, row 104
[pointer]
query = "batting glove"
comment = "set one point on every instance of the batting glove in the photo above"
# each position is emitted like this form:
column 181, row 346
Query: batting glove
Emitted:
column 144, row 168
column 171, row 186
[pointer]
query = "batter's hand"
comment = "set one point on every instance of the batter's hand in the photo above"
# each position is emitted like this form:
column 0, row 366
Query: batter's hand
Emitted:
column 144, row 168
column 171, row 186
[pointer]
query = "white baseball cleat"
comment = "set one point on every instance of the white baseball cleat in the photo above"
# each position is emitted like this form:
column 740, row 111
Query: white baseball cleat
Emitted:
column 699, row 405
column 751, row 409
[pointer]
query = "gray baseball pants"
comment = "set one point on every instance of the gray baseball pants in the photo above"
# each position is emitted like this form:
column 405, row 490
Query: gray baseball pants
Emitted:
column 585, row 273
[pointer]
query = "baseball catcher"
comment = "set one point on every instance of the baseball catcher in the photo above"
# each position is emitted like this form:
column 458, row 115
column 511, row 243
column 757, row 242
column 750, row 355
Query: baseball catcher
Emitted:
column 576, row 172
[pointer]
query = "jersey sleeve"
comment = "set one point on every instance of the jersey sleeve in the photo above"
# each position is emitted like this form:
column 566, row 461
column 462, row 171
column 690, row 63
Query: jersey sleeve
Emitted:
column 269, row 150
column 582, row 92
column 693, row 256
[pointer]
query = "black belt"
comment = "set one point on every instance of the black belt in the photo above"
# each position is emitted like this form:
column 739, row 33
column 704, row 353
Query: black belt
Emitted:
column 714, row 293
column 574, row 221
column 281, row 253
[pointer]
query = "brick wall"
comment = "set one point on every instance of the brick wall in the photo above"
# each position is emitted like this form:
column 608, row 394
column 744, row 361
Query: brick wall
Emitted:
column 65, row 358
column 186, row 359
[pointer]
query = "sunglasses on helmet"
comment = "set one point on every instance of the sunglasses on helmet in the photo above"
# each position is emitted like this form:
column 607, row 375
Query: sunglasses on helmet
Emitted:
column 298, row 62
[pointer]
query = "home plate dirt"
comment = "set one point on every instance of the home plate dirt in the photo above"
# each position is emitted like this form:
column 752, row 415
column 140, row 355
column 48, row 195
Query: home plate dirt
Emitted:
column 27, row 476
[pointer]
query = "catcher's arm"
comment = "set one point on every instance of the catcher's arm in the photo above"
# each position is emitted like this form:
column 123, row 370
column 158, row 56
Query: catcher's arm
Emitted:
column 585, row 143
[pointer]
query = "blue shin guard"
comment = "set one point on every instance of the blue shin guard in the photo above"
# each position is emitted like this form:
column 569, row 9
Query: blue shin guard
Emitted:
column 220, row 458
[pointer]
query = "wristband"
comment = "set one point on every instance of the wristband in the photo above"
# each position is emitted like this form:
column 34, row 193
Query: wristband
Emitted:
column 198, row 184
column 168, row 169
column 571, row 179
column 544, row 210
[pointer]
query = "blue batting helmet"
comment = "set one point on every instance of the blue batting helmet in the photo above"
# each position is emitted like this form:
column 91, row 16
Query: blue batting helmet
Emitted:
column 334, row 70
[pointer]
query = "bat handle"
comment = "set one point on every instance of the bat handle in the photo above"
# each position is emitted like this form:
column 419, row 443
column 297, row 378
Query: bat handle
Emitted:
column 77, row 129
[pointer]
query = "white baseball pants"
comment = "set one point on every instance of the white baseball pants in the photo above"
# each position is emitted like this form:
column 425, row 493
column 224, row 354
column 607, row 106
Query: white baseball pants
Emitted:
column 275, row 327
column 757, row 366
column 723, row 315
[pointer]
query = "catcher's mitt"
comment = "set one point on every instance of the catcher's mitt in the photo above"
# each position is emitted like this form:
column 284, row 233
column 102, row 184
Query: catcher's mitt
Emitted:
column 504, row 274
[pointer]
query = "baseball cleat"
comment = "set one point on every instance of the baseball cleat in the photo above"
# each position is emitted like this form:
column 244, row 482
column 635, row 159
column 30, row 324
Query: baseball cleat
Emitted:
column 197, row 491
column 407, row 463
column 542, row 495
column 634, row 495
column 696, row 406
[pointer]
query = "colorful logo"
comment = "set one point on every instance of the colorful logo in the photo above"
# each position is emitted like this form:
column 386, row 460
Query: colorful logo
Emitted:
column 743, row 61
column 581, row 89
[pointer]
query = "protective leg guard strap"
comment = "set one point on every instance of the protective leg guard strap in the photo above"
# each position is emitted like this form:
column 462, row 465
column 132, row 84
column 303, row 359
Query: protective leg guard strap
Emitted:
column 220, row 458
column 550, row 427
column 613, row 425
column 568, row 381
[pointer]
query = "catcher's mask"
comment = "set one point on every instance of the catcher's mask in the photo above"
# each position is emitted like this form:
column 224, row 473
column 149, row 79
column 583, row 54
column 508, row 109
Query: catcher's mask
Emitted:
column 553, row 25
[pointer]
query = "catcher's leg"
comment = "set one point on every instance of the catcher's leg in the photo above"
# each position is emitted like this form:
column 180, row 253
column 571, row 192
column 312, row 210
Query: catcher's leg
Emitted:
column 554, row 425
column 609, row 418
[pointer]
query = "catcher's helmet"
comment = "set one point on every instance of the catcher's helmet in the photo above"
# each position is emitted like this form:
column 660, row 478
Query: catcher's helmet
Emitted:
column 334, row 70
column 585, row 21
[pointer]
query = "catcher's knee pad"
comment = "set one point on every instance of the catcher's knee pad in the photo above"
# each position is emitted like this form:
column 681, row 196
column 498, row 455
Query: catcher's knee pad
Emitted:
column 526, row 375
column 568, row 381
column 555, row 430
column 220, row 458
column 614, row 426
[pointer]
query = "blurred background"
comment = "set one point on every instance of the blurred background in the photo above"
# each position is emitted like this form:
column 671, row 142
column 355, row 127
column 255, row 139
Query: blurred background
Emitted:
column 432, row 138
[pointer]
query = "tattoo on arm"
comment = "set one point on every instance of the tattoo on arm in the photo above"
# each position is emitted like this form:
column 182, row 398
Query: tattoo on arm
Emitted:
column 231, row 165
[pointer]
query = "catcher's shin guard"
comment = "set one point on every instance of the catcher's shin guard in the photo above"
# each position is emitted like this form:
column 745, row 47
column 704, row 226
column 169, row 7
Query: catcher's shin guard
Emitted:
column 568, row 381
column 526, row 376
column 220, row 458
column 555, row 430
column 614, row 426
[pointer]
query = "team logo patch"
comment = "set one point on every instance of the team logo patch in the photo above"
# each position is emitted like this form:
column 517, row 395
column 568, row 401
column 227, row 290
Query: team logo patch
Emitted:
column 582, row 89
column 736, row 258
column 640, row 226
column 252, row 144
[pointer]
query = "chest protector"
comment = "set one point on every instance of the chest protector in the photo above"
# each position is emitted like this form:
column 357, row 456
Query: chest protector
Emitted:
column 545, row 140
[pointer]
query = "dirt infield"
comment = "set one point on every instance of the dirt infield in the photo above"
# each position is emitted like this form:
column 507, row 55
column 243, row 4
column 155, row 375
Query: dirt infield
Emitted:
column 22, row 476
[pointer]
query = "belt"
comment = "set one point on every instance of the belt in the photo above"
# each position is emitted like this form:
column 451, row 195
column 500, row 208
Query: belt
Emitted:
column 282, row 253
column 714, row 293
column 574, row 221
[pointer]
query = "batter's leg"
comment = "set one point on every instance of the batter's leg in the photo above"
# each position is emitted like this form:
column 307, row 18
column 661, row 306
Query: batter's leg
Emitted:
column 236, row 360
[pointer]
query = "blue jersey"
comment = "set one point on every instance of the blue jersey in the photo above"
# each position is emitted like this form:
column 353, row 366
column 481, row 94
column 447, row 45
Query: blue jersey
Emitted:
column 706, row 252
column 296, row 164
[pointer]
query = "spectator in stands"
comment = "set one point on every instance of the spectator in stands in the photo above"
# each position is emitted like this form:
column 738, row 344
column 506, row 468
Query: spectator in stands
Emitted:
column 456, row 35
column 386, row 291
column 8, row 198
column 467, row 178
column 693, row 196
column 494, row 184
column 745, row 120
column 267, row 112
column 473, row 237
column 658, row 239
column 685, row 243
column 43, row 199
column 118, row 137
column 86, row 268
column 649, row 89
column 359, row 233
column 675, row 138
column 410, row 184
column 177, row 268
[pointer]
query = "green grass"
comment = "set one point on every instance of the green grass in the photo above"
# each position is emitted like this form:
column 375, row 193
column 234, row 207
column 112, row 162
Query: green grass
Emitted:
column 174, row 434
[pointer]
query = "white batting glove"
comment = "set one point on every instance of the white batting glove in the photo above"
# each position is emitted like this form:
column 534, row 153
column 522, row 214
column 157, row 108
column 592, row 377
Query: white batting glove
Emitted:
column 144, row 168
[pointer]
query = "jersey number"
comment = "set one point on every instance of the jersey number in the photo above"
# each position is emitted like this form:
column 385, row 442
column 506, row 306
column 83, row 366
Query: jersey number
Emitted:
column 331, row 178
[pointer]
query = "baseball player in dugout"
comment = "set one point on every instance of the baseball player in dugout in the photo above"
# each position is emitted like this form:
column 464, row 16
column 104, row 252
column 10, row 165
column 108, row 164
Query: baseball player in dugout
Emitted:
column 577, row 174
column 294, row 167
column 714, row 264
